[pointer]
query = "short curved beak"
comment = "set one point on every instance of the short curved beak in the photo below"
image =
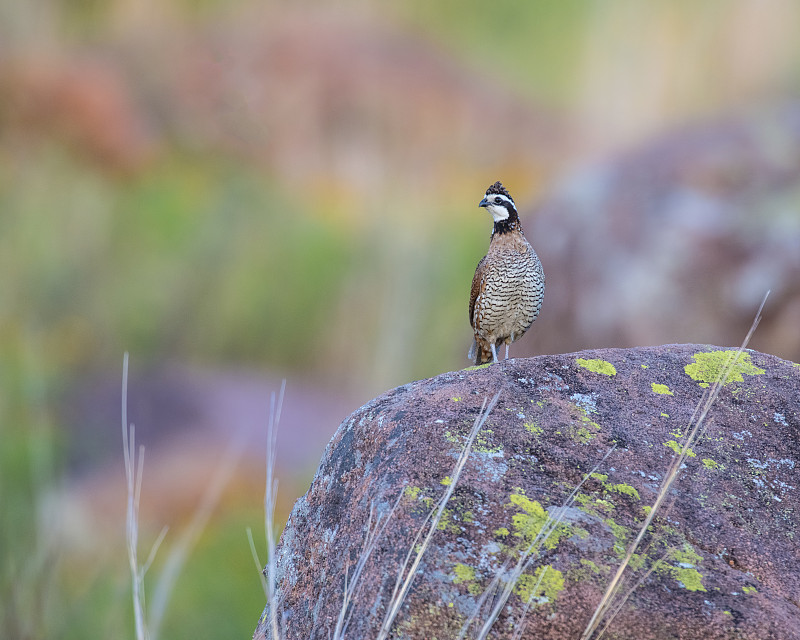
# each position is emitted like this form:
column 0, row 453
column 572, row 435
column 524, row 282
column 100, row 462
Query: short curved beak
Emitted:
column 483, row 203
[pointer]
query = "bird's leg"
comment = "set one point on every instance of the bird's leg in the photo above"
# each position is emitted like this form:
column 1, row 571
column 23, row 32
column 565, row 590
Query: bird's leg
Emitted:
column 506, row 351
column 494, row 353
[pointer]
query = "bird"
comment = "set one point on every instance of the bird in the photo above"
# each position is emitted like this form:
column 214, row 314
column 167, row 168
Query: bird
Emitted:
column 508, row 285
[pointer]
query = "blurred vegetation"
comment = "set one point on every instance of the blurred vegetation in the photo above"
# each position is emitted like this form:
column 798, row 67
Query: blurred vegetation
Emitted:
column 205, row 256
column 534, row 47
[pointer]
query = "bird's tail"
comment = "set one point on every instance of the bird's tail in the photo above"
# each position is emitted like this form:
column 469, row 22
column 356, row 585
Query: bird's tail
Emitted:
column 480, row 353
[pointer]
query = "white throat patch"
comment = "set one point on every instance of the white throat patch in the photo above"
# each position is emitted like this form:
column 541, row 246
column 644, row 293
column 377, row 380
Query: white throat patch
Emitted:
column 499, row 211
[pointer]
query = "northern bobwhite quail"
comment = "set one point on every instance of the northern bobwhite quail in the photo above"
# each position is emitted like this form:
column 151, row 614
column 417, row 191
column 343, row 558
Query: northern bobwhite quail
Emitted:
column 508, row 285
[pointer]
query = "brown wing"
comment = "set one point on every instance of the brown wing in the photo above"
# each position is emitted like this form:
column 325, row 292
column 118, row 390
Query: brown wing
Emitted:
column 477, row 284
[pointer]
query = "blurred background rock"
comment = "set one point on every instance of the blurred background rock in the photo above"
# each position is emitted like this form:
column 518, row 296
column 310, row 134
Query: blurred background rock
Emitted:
column 237, row 192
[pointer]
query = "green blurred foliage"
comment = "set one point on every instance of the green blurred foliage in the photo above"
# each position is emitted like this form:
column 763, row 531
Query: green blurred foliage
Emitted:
column 218, row 593
column 533, row 46
column 195, row 258
column 29, row 466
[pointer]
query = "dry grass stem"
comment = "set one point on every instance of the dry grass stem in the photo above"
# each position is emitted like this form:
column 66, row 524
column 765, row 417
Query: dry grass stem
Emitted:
column 134, row 465
column 148, row 627
column 403, row 584
column 521, row 624
column 352, row 584
column 530, row 554
column 696, row 425
column 270, row 499
column 182, row 548
column 257, row 561
column 617, row 607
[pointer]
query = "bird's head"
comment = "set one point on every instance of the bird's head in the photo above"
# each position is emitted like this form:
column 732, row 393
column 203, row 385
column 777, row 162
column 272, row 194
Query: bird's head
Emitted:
column 499, row 203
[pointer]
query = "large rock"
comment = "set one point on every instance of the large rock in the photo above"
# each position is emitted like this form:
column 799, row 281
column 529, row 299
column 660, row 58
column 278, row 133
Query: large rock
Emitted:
column 723, row 555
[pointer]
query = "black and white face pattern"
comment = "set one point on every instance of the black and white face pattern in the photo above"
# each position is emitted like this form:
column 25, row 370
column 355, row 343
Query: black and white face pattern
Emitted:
column 499, row 205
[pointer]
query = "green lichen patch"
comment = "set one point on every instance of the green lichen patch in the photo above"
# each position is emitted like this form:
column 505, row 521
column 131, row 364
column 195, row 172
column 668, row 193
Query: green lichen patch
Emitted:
column 661, row 389
column 690, row 579
column 709, row 367
column 533, row 428
column 463, row 573
column 671, row 444
column 593, row 567
column 620, row 536
column 603, row 504
column 586, row 430
column 447, row 481
column 451, row 522
column 483, row 445
column 582, row 435
column 621, row 487
column 626, row 489
column 637, row 561
column 531, row 519
column 456, row 398
column 684, row 568
column 591, row 505
column 596, row 365
column 479, row 366
column 550, row 582
column 708, row 463
column 749, row 590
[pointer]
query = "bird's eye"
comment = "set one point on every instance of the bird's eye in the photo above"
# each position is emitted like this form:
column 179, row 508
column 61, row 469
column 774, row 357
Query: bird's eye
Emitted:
column 497, row 200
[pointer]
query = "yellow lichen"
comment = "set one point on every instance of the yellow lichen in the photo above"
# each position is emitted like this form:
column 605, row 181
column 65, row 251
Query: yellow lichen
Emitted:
column 686, row 573
column 550, row 582
column 624, row 488
column 596, row 365
column 709, row 367
column 661, row 389
column 463, row 573
column 531, row 519
column 671, row 444
column 533, row 428
column 582, row 433
column 594, row 568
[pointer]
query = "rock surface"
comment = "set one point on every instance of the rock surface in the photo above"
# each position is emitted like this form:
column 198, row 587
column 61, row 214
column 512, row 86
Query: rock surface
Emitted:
column 727, row 537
